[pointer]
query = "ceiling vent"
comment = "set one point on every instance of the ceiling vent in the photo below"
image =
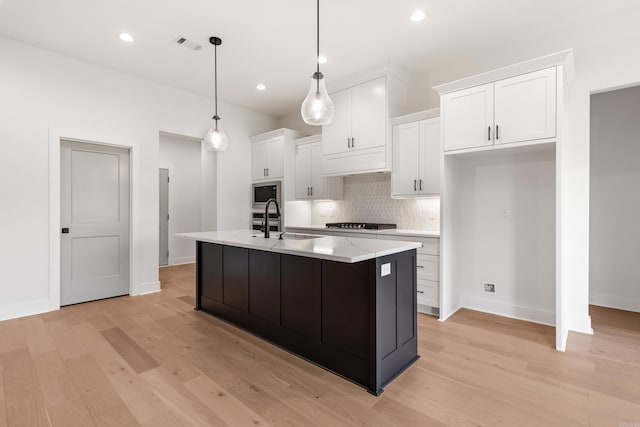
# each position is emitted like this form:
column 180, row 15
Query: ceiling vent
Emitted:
column 189, row 44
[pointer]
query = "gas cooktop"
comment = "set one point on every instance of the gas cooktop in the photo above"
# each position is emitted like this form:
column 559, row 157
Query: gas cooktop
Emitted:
column 361, row 225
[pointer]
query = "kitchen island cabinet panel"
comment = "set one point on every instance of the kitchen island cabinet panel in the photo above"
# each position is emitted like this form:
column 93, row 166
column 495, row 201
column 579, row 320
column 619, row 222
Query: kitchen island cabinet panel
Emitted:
column 211, row 272
column 301, row 295
column 235, row 273
column 346, row 306
column 264, row 285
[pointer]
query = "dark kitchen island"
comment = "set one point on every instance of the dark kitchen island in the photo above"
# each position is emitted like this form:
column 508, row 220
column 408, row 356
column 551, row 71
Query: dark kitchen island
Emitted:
column 345, row 304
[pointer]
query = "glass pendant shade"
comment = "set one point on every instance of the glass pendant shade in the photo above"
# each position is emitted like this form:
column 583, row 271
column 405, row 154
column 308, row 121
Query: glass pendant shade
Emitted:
column 317, row 108
column 215, row 139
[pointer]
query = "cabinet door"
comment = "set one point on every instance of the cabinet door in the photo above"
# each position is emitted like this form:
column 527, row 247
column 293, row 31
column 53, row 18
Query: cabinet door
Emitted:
column 525, row 107
column 336, row 134
column 467, row 118
column 303, row 171
column 259, row 160
column 405, row 172
column 318, row 180
column 430, row 157
column 369, row 114
column 275, row 167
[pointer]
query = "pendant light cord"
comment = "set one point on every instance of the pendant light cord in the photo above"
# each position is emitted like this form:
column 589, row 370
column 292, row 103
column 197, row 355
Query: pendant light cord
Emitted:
column 215, row 81
column 318, row 46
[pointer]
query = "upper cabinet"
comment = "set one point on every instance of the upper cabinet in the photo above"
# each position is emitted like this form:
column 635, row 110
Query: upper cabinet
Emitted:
column 360, row 119
column 311, row 183
column 517, row 109
column 358, row 140
column 273, row 159
column 268, row 159
column 417, row 156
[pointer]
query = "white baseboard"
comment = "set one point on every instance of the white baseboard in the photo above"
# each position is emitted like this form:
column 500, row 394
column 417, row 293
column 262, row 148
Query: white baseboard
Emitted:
column 530, row 314
column 30, row 308
column 147, row 288
column 614, row 301
column 182, row 260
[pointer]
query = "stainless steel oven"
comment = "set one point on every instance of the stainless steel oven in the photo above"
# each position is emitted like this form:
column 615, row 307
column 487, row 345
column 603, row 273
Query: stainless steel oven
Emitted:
column 263, row 191
column 257, row 221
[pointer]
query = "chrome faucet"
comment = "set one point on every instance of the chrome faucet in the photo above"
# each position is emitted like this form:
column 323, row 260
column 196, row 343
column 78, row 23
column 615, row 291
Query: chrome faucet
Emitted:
column 266, row 215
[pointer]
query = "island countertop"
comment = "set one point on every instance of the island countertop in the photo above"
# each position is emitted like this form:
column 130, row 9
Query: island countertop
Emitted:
column 333, row 248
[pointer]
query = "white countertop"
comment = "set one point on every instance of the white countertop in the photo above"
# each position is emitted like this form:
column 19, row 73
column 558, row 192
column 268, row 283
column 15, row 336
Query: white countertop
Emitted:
column 392, row 232
column 334, row 248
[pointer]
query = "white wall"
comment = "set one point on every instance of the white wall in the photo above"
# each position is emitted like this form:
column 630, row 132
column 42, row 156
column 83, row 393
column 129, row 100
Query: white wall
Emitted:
column 505, row 232
column 615, row 199
column 42, row 90
column 182, row 157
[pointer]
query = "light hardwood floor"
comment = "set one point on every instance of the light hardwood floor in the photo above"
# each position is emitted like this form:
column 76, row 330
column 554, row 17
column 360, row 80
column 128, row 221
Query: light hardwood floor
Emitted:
column 154, row 361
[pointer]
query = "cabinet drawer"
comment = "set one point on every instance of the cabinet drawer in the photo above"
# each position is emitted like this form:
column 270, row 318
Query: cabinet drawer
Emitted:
column 430, row 245
column 428, row 293
column 428, row 267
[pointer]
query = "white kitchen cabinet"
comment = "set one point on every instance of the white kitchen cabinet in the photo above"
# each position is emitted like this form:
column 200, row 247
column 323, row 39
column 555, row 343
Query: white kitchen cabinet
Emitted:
column 358, row 140
column 311, row 183
column 360, row 119
column 268, row 159
column 525, row 107
column 416, row 158
column 513, row 110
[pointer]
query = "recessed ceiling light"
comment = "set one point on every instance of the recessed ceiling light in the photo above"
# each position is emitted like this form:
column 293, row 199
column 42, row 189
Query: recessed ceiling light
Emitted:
column 126, row 37
column 261, row 87
column 322, row 59
column 417, row 16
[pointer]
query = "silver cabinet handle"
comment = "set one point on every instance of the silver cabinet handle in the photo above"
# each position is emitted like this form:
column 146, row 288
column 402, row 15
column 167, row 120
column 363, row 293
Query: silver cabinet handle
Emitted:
column 348, row 142
column 420, row 266
column 497, row 132
column 312, row 191
column 267, row 171
column 414, row 185
column 488, row 133
column 353, row 142
column 421, row 292
column 307, row 191
column 420, row 185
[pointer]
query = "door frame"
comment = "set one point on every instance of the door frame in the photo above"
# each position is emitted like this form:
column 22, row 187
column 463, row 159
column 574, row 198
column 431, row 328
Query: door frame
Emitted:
column 55, row 139
column 170, row 212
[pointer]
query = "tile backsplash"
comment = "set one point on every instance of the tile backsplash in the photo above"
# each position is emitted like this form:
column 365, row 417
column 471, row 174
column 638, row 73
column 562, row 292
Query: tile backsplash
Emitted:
column 367, row 198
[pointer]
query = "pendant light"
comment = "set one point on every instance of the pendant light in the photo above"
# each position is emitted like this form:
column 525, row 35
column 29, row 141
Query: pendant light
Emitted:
column 215, row 139
column 317, row 108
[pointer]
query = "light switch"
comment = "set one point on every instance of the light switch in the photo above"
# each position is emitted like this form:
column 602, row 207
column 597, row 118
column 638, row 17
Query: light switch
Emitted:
column 385, row 269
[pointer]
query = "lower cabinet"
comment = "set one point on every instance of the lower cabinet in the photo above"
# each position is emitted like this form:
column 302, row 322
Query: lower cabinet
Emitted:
column 347, row 317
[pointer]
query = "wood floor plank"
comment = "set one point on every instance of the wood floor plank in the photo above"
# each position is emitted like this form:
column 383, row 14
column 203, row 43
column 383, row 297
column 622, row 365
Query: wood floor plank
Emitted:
column 3, row 410
column 23, row 398
column 180, row 400
column 231, row 410
column 38, row 338
column 65, row 342
column 13, row 336
column 139, row 360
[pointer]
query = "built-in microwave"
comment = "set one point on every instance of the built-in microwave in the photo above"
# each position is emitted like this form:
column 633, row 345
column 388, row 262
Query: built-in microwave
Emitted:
column 263, row 191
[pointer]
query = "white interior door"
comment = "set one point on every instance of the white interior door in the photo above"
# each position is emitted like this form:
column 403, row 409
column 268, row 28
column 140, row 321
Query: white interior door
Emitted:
column 95, row 222
column 164, row 217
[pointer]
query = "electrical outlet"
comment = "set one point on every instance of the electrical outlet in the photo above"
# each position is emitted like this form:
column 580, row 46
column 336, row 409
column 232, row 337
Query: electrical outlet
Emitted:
column 489, row 287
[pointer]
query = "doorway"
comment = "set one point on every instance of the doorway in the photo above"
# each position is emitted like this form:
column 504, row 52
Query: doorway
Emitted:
column 95, row 215
column 614, row 271
column 164, row 217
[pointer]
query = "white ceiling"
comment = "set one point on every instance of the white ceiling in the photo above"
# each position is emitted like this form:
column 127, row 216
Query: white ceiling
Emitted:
column 273, row 41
